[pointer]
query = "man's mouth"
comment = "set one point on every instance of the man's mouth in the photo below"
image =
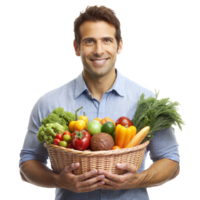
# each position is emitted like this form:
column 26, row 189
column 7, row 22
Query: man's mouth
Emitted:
column 99, row 61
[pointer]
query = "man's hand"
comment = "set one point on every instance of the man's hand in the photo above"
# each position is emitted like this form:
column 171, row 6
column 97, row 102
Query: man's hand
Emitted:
column 158, row 173
column 118, row 182
column 79, row 183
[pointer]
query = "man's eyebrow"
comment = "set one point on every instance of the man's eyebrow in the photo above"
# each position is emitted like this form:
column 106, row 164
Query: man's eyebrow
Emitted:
column 90, row 38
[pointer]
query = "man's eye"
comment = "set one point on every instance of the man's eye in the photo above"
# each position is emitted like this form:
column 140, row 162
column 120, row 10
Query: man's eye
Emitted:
column 89, row 42
column 107, row 40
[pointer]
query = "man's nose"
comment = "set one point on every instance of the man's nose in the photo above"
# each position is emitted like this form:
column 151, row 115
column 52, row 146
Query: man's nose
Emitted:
column 98, row 51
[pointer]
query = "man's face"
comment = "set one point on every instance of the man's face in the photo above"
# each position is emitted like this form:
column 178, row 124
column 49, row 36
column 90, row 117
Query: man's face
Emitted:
column 98, row 48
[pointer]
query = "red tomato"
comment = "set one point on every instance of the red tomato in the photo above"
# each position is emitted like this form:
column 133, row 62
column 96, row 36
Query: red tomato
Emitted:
column 124, row 121
column 67, row 133
column 59, row 136
column 81, row 140
column 56, row 141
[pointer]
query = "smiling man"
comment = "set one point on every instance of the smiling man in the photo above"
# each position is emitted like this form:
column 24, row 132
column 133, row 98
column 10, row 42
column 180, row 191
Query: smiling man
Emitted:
column 102, row 91
column 98, row 49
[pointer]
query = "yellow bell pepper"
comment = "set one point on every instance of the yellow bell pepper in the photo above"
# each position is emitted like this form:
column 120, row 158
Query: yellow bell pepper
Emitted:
column 97, row 119
column 124, row 134
column 79, row 123
column 84, row 118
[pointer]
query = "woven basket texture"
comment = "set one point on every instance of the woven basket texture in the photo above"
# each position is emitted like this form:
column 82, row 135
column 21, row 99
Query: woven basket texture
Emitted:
column 61, row 157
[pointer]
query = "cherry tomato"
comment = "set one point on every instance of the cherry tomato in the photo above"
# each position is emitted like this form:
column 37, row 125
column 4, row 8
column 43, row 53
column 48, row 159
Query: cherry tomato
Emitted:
column 67, row 138
column 67, row 133
column 63, row 143
column 59, row 136
column 56, row 141
column 124, row 121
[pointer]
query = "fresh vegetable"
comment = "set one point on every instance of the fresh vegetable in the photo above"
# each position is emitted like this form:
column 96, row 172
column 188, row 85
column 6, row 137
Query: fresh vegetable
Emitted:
column 84, row 118
column 63, row 143
column 158, row 114
column 48, row 132
column 124, row 134
column 77, row 124
column 108, row 127
column 56, row 122
column 97, row 119
column 105, row 119
column 94, row 127
column 56, row 141
column 116, row 147
column 59, row 136
column 60, row 116
column 67, row 133
column 81, row 140
column 138, row 138
column 124, row 121
column 67, row 138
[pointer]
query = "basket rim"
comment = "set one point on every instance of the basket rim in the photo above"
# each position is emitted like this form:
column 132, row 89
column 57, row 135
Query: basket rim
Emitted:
column 96, row 153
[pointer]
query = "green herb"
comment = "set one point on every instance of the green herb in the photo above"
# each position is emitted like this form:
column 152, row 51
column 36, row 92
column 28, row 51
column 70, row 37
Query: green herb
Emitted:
column 158, row 114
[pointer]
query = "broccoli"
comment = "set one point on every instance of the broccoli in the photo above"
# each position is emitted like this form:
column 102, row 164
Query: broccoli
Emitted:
column 56, row 122
column 68, row 116
column 53, row 118
column 48, row 132
column 44, row 121
column 59, row 111
column 60, row 116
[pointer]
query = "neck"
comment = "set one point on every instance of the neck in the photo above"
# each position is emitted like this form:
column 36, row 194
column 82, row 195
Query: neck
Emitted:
column 98, row 85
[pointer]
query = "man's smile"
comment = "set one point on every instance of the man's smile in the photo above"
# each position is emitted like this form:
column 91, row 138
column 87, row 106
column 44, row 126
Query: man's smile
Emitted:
column 99, row 61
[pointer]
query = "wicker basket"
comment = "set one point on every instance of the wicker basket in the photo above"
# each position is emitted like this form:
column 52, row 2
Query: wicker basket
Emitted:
column 60, row 157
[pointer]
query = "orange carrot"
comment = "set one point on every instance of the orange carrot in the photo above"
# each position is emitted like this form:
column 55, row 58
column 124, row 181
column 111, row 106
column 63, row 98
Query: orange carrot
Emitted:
column 137, row 139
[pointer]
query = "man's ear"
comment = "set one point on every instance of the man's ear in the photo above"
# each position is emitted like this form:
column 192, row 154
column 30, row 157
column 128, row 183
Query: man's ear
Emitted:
column 120, row 47
column 76, row 48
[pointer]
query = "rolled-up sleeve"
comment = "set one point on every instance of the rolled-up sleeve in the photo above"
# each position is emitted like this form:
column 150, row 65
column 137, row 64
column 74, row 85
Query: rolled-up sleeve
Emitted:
column 32, row 148
column 164, row 145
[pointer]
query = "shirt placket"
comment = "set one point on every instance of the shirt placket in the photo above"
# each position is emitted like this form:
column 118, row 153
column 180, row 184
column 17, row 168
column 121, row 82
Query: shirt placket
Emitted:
column 102, row 114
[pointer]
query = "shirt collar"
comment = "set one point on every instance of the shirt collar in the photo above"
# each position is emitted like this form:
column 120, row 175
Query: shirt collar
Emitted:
column 118, row 85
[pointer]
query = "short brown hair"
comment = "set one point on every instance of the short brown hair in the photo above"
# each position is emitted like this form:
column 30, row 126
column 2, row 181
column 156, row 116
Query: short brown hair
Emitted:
column 95, row 13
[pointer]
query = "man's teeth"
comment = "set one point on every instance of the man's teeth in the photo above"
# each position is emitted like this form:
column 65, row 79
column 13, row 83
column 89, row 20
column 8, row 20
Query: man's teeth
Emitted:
column 99, row 60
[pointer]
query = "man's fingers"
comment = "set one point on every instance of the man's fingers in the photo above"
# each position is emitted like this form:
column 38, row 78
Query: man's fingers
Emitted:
column 71, row 167
column 125, row 166
column 87, row 175
column 88, row 182
column 98, row 180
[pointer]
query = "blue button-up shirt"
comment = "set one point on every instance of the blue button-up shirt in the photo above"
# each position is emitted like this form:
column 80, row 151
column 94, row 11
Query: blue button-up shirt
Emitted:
column 120, row 100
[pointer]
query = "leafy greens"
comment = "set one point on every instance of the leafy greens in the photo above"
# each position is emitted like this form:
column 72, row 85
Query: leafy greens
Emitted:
column 158, row 114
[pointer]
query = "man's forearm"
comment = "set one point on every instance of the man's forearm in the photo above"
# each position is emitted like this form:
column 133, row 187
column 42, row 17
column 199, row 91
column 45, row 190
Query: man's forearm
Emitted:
column 158, row 173
column 38, row 174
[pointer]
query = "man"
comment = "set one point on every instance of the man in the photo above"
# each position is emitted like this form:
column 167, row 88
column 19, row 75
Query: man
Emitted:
column 102, row 91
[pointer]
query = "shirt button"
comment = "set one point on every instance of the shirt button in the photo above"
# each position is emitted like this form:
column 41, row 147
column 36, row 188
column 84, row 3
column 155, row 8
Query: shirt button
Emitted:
column 103, row 192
